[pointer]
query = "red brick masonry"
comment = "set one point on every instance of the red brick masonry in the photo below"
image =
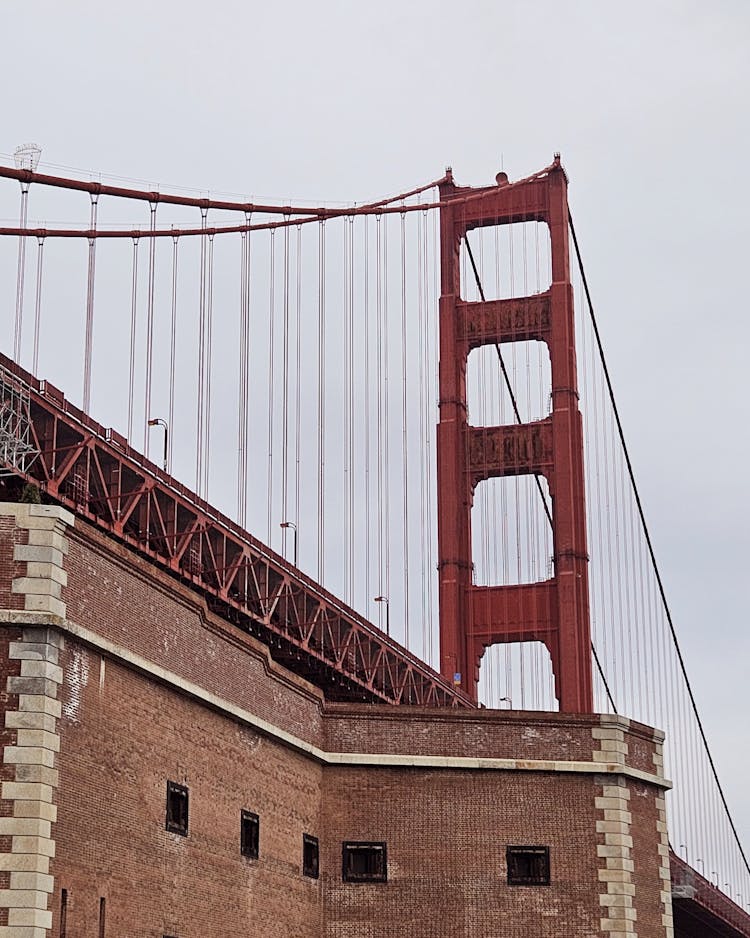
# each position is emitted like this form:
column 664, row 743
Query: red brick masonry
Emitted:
column 155, row 688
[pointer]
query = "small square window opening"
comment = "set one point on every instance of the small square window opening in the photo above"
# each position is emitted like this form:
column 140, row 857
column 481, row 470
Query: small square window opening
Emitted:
column 528, row 866
column 177, row 809
column 310, row 856
column 364, row 862
column 249, row 835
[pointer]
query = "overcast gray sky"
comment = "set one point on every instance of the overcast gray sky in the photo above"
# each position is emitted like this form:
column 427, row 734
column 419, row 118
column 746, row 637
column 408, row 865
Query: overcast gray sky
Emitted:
column 334, row 101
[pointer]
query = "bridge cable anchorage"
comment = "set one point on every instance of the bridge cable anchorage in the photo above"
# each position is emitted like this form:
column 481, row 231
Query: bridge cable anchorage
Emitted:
column 517, row 414
column 649, row 543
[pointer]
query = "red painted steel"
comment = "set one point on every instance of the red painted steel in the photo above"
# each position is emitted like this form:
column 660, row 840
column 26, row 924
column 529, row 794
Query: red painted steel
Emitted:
column 93, row 471
column 700, row 908
column 556, row 611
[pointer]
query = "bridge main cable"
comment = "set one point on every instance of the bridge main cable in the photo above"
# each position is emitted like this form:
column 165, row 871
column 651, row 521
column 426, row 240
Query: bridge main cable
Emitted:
column 649, row 543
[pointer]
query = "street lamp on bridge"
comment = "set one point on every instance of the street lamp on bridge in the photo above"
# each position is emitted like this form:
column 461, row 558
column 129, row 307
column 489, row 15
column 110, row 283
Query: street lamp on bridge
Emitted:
column 158, row 422
column 285, row 525
column 384, row 599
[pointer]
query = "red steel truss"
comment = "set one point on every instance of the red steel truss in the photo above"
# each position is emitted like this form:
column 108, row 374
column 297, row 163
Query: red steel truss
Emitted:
column 701, row 909
column 555, row 611
column 93, row 471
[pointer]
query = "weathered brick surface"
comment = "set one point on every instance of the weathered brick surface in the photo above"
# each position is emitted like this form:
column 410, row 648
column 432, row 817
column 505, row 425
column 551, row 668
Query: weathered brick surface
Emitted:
column 481, row 733
column 124, row 737
column 447, row 833
column 645, row 858
column 124, row 733
column 125, row 599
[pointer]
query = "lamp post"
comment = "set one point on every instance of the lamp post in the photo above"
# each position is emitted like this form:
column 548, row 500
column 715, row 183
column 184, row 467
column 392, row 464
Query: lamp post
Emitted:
column 285, row 525
column 703, row 866
column 506, row 700
column 384, row 599
column 158, row 422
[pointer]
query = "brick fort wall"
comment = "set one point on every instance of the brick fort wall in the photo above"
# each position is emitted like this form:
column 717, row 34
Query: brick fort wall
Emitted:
column 118, row 681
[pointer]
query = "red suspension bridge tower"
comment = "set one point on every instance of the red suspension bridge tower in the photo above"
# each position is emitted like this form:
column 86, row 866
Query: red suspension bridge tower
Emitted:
column 554, row 611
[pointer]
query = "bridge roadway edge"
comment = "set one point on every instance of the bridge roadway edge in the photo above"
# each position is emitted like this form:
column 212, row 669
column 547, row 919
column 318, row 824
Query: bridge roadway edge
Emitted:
column 372, row 772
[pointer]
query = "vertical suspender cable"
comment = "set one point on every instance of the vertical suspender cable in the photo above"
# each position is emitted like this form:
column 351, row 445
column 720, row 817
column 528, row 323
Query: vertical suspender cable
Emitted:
column 652, row 555
column 386, row 425
column 404, row 434
column 209, row 365
column 366, row 379
column 38, row 304
column 432, row 371
column 244, row 374
column 149, row 328
column 20, row 274
column 201, row 357
column 350, row 409
column 298, row 385
column 321, row 397
column 133, row 325
column 172, row 352
column 242, row 390
column 379, row 341
column 347, row 410
column 271, row 305
column 424, row 438
column 285, row 392
column 89, row 340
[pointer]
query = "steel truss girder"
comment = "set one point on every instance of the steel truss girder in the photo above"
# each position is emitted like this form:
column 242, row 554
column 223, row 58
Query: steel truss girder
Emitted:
column 93, row 471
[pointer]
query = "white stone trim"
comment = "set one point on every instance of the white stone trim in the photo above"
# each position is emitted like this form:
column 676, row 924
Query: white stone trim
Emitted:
column 47, row 545
column 190, row 689
column 616, row 873
column 665, row 874
column 36, row 778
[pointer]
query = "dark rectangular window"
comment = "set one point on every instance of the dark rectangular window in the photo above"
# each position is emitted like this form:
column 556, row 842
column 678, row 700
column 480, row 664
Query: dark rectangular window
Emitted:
column 177, row 808
column 102, row 916
column 310, row 856
column 64, row 913
column 528, row 866
column 249, row 835
column 364, row 862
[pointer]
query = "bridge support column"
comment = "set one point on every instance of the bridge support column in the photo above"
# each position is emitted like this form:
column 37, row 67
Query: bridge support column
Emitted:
column 555, row 612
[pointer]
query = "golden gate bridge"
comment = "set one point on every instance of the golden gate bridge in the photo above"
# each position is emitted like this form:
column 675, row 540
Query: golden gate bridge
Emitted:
column 321, row 416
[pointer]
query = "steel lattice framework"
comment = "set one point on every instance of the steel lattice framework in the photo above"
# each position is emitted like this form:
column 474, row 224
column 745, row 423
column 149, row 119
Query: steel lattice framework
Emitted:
column 92, row 470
